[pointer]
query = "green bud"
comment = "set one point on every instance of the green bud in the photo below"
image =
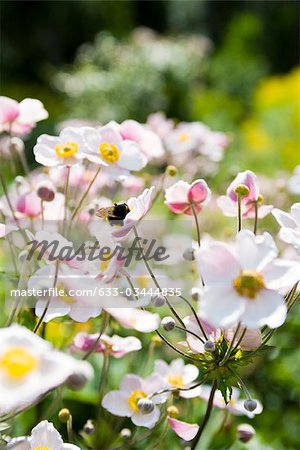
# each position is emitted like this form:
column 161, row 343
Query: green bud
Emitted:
column 242, row 190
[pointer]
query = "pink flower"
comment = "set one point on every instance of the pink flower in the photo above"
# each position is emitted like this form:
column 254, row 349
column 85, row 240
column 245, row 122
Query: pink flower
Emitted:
column 184, row 430
column 228, row 203
column 158, row 123
column 116, row 346
column 149, row 142
column 137, row 319
column 20, row 118
column 182, row 197
column 29, row 204
column 250, row 341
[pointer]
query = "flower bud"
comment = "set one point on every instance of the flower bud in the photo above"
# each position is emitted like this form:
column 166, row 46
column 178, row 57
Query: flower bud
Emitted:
column 23, row 256
column 245, row 432
column 46, row 192
column 189, row 254
column 156, row 340
column 260, row 198
column 209, row 346
column 250, row 405
column 172, row 411
column 77, row 381
column 171, row 171
column 195, row 294
column 64, row 415
column 145, row 405
column 125, row 433
column 16, row 144
column 158, row 300
column 242, row 190
column 89, row 427
column 168, row 323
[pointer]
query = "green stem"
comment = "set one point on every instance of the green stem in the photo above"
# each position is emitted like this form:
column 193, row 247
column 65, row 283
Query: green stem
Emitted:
column 207, row 415
column 85, row 195
column 255, row 217
column 239, row 199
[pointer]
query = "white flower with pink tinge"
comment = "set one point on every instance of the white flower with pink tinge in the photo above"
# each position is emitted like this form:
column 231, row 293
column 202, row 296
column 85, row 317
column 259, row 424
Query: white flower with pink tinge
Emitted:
column 115, row 346
column 242, row 282
column 228, row 203
column 124, row 402
column 186, row 431
column 106, row 146
column 235, row 405
column 43, row 436
column 70, row 287
column 149, row 142
column 20, row 118
column 63, row 150
column 182, row 197
column 30, row 368
column 251, row 338
column 178, row 375
column 290, row 225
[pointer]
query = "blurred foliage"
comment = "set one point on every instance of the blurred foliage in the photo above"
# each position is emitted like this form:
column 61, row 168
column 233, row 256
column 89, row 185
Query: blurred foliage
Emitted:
column 117, row 79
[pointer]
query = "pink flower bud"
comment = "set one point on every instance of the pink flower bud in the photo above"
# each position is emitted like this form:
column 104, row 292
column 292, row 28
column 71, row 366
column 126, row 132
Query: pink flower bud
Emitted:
column 29, row 204
column 182, row 197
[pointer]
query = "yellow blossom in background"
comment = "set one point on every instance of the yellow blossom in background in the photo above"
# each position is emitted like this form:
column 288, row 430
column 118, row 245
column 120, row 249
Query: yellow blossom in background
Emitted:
column 273, row 128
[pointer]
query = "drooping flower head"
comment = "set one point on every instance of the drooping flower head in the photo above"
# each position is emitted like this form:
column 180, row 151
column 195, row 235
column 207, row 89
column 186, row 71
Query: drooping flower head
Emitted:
column 20, row 118
column 228, row 203
column 182, row 197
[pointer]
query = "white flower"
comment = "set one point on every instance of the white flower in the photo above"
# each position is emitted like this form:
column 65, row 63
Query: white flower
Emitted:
column 105, row 146
column 72, row 288
column 178, row 375
column 241, row 283
column 116, row 346
column 293, row 184
column 290, row 225
column 43, row 437
column 133, row 388
column 235, row 406
column 30, row 368
column 66, row 149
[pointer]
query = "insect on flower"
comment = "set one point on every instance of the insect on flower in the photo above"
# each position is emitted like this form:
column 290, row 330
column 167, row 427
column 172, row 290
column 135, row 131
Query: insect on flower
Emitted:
column 115, row 214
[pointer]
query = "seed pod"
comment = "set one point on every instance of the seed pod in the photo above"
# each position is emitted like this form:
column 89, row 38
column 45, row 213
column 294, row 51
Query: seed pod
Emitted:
column 145, row 405
column 209, row 346
column 168, row 323
column 245, row 432
column 64, row 415
column 189, row 254
column 125, row 433
column 158, row 300
column 250, row 405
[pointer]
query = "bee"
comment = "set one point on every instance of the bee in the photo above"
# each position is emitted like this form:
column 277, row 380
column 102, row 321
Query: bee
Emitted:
column 115, row 214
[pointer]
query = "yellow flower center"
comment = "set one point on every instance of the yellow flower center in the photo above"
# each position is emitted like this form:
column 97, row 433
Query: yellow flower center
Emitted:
column 142, row 281
column 66, row 150
column 249, row 283
column 41, row 448
column 133, row 399
column 109, row 152
column 104, row 264
column 183, row 137
column 65, row 297
column 18, row 362
column 176, row 380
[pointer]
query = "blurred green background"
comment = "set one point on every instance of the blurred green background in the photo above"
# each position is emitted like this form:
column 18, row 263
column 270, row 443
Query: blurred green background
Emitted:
column 231, row 64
